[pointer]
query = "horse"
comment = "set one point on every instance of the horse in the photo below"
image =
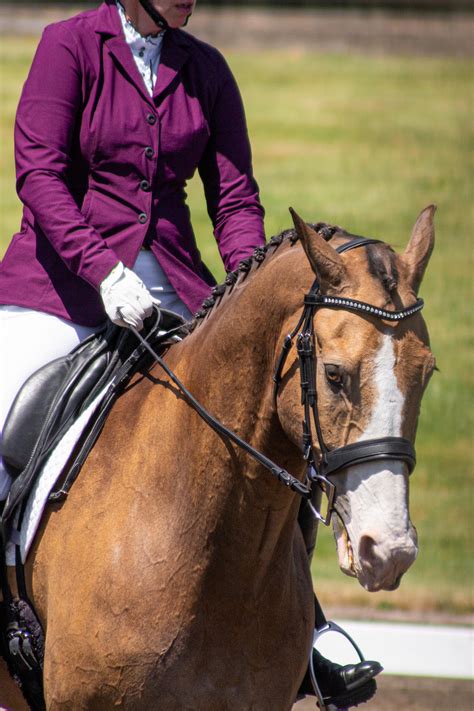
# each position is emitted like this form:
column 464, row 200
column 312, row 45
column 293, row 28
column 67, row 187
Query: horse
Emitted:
column 175, row 574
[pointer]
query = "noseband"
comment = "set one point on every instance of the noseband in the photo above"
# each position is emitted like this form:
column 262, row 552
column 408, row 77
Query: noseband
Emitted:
column 330, row 462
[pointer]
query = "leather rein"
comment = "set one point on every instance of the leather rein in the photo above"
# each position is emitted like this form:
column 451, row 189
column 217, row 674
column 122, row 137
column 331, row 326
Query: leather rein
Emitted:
column 329, row 462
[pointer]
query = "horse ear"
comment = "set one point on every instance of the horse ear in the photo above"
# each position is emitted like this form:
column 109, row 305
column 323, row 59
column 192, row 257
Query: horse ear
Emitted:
column 325, row 261
column 418, row 252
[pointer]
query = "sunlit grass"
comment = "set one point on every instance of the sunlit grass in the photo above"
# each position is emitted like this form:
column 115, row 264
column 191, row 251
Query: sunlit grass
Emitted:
column 365, row 143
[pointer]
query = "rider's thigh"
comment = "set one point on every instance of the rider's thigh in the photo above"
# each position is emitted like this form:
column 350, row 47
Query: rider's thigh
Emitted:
column 30, row 339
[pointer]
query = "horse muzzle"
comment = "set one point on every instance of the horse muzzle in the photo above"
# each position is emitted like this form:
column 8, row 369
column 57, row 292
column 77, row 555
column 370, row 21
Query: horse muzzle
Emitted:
column 380, row 566
column 376, row 541
column 377, row 566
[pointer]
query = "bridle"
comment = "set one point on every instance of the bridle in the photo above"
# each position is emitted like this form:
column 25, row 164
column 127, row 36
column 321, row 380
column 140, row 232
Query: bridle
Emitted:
column 329, row 462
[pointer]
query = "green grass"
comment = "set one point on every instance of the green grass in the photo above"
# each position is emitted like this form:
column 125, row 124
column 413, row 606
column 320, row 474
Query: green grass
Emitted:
column 365, row 143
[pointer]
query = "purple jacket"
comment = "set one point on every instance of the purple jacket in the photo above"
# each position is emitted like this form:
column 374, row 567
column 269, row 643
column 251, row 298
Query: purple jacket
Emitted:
column 102, row 167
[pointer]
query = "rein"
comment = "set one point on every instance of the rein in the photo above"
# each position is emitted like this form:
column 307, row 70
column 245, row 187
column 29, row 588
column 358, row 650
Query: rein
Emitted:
column 329, row 462
column 281, row 474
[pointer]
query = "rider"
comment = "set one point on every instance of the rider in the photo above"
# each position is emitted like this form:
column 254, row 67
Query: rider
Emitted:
column 106, row 136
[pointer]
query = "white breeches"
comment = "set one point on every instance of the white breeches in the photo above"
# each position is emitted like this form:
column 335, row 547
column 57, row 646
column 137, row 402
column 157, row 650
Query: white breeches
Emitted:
column 30, row 339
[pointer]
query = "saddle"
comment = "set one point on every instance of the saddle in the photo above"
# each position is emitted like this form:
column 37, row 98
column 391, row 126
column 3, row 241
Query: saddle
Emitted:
column 54, row 397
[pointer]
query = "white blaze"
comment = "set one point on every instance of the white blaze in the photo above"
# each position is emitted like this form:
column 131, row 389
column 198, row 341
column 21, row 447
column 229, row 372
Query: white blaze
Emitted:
column 386, row 419
column 372, row 497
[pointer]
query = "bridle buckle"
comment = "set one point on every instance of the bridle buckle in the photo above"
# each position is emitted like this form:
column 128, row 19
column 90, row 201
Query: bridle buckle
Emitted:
column 329, row 489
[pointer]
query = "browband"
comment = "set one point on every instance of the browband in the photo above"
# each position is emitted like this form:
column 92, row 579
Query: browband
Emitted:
column 320, row 300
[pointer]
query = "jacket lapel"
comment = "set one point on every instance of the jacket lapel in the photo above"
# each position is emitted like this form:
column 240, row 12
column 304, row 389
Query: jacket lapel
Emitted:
column 120, row 51
column 174, row 54
column 109, row 26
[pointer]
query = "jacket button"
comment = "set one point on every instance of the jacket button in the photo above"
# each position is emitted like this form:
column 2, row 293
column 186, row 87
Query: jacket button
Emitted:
column 145, row 185
column 149, row 152
column 142, row 218
column 151, row 118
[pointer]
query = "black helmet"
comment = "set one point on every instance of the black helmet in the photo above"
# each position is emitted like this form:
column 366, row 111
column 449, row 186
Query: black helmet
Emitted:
column 157, row 18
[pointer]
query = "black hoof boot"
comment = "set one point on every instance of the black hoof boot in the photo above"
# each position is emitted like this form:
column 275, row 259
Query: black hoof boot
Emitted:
column 342, row 686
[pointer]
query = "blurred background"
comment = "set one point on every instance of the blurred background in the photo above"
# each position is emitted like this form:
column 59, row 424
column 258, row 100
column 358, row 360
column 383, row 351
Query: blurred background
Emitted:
column 360, row 114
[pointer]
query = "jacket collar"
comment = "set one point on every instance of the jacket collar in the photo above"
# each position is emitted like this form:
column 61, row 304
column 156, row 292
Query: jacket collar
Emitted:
column 107, row 20
column 174, row 53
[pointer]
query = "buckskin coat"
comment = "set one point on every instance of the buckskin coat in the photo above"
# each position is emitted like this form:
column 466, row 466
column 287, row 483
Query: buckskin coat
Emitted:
column 102, row 166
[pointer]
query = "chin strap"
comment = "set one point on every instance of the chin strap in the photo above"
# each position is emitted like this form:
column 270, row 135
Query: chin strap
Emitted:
column 157, row 18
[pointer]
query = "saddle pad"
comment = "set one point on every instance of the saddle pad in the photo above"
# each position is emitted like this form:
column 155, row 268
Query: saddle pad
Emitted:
column 50, row 473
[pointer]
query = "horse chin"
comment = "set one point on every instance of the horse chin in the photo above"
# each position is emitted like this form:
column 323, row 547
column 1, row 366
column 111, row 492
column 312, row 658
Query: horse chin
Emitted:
column 372, row 585
column 394, row 585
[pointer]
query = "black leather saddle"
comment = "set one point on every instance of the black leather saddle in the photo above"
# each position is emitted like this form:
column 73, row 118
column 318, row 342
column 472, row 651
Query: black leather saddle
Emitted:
column 55, row 396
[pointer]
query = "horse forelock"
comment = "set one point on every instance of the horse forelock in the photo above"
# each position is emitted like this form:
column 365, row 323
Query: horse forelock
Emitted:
column 383, row 266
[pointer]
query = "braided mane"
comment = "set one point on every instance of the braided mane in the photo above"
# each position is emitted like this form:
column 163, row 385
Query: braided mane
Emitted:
column 259, row 255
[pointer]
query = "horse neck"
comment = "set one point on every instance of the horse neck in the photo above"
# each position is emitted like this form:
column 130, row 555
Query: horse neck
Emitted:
column 227, row 363
column 230, row 357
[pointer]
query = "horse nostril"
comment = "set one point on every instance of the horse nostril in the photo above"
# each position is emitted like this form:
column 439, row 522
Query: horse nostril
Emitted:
column 367, row 552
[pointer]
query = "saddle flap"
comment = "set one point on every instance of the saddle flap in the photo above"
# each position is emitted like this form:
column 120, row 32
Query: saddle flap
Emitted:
column 27, row 414
column 50, row 395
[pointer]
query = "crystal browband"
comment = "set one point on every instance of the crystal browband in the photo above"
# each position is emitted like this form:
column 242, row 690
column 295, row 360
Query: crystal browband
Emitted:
column 362, row 307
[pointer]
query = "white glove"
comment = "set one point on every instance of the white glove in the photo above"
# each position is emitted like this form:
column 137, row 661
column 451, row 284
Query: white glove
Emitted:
column 126, row 299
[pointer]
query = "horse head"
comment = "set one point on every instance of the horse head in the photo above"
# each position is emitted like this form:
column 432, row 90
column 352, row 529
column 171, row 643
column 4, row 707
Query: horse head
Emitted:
column 370, row 377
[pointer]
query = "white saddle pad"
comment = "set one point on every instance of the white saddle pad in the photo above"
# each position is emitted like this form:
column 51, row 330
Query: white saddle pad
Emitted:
column 52, row 470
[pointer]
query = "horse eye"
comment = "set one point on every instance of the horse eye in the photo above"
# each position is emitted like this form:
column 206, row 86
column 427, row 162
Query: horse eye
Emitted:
column 334, row 375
